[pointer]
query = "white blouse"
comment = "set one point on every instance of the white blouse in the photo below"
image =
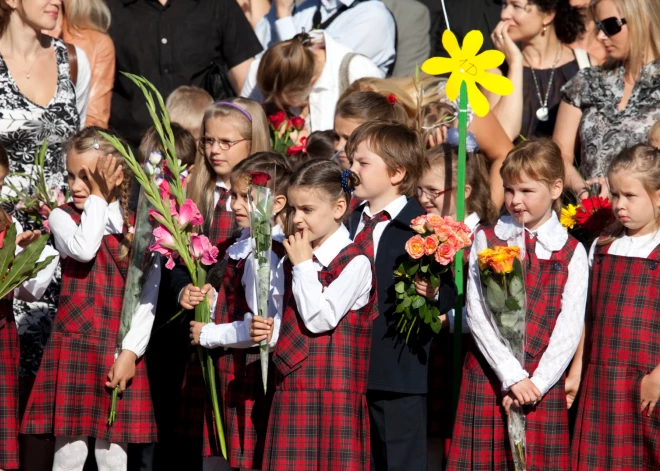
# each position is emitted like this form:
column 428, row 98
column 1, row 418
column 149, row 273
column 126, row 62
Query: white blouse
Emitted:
column 237, row 334
column 82, row 241
column 551, row 237
column 626, row 246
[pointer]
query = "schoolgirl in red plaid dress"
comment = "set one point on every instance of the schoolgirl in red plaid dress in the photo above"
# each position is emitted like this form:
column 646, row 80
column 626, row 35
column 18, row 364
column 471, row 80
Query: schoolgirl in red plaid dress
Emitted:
column 437, row 194
column 245, row 406
column 556, row 281
column 618, row 421
column 31, row 290
column 81, row 365
column 319, row 417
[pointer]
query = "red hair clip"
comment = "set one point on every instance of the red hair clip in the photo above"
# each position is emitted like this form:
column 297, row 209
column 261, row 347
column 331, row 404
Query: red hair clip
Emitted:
column 391, row 99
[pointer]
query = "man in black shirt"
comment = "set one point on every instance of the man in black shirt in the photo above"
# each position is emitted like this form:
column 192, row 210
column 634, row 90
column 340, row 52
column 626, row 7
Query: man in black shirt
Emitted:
column 172, row 43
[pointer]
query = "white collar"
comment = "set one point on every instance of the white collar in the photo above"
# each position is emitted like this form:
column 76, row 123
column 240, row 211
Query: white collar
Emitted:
column 219, row 183
column 551, row 234
column 393, row 209
column 332, row 4
column 329, row 249
column 242, row 248
column 472, row 221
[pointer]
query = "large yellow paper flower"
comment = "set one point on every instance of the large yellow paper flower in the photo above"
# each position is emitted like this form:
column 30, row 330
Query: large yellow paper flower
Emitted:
column 465, row 65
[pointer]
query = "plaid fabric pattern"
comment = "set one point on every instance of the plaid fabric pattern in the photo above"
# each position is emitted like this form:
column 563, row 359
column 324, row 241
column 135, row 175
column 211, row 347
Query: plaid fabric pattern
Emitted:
column 480, row 439
column 610, row 431
column 9, row 354
column 319, row 418
column 224, row 224
column 365, row 240
column 69, row 397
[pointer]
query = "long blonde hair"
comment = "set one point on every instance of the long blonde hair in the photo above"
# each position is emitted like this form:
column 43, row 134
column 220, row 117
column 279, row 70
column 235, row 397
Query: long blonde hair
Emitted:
column 88, row 14
column 89, row 139
column 257, row 132
column 643, row 23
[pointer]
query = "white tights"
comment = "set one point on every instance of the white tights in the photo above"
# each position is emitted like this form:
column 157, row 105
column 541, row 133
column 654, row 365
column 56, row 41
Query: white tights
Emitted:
column 71, row 454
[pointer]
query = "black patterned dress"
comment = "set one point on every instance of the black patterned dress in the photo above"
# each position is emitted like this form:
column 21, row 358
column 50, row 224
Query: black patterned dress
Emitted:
column 23, row 127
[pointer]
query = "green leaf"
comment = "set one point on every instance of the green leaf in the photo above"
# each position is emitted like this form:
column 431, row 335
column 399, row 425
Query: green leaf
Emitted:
column 435, row 281
column 418, row 302
column 516, row 286
column 25, row 265
column 511, row 304
column 400, row 271
column 406, row 303
column 399, row 308
column 400, row 287
column 7, row 252
column 494, row 295
column 413, row 269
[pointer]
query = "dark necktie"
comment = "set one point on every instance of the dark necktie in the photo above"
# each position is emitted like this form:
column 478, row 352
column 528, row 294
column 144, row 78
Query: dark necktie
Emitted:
column 365, row 239
column 530, row 247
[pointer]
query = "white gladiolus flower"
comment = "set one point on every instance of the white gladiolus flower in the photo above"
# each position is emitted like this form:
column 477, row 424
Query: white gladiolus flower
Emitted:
column 155, row 158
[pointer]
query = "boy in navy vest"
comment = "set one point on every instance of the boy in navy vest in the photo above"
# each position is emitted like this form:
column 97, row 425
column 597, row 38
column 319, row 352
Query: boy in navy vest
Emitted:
column 388, row 158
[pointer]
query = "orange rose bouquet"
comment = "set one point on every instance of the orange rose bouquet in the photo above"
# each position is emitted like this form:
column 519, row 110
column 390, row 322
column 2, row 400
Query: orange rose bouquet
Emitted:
column 432, row 251
column 503, row 294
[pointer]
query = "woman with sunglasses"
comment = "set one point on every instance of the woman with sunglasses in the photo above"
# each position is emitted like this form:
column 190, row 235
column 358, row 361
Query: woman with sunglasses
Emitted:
column 541, row 66
column 612, row 107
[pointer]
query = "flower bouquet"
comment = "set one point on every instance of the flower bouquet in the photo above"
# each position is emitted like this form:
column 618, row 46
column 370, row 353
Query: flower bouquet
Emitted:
column 260, row 206
column 588, row 219
column 37, row 199
column 432, row 251
column 503, row 292
column 286, row 133
column 178, row 221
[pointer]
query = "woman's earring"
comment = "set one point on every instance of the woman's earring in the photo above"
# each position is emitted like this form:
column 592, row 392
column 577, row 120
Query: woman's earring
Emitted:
column 545, row 28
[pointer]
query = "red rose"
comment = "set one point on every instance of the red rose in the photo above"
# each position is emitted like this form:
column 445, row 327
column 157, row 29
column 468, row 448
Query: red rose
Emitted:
column 293, row 150
column 391, row 99
column 259, row 178
column 277, row 119
column 297, row 123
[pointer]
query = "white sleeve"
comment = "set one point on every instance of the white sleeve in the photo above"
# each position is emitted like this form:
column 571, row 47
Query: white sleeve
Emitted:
column 138, row 336
column 360, row 67
column 508, row 369
column 83, row 84
column 451, row 316
column 568, row 327
column 322, row 309
column 250, row 89
column 592, row 251
column 80, row 242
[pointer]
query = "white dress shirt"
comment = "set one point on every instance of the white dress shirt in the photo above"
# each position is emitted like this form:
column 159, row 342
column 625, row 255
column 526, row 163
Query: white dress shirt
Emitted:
column 393, row 209
column 325, row 90
column 551, row 237
column 82, row 241
column 83, row 84
column 367, row 28
column 626, row 246
column 237, row 334
column 33, row 289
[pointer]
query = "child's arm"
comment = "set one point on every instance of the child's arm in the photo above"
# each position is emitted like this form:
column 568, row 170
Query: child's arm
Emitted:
column 650, row 391
column 569, row 325
column 136, row 340
column 508, row 369
column 574, row 376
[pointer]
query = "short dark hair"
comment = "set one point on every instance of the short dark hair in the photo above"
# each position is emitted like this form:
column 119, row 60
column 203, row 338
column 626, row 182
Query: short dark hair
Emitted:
column 398, row 146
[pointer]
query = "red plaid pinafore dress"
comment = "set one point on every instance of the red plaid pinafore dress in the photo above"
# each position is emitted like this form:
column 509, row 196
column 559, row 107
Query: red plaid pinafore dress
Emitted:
column 69, row 397
column 319, row 418
column 610, row 431
column 245, row 407
column 190, row 416
column 480, row 439
column 9, row 355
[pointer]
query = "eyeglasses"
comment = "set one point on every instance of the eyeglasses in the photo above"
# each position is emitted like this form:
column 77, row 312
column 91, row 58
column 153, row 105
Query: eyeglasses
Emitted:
column 208, row 142
column 432, row 195
column 611, row 26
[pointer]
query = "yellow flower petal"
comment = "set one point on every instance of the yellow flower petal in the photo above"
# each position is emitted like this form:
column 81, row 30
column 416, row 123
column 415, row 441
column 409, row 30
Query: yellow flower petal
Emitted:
column 477, row 100
column 495, row 83
column 450, row 44
column 453, row 86
column 489, row 59
column 471, row 44
column 438, row 65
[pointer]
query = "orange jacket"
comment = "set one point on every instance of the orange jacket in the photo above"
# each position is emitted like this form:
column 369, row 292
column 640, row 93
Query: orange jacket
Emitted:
column 100, row 52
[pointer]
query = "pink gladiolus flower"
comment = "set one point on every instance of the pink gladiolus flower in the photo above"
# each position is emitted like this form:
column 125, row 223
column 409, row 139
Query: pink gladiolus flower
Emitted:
column 170, row 263
column 164, row 189
column 202, row 249
column 164, row 243
column 188, row 213
column 46, row 225
column 44, row 210
column 418, row 223
column 445, row 254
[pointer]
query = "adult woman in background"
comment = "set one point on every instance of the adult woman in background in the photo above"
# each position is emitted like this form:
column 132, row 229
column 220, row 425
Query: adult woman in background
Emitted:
column 612, row 107
column 85, row 23
column 541, row 67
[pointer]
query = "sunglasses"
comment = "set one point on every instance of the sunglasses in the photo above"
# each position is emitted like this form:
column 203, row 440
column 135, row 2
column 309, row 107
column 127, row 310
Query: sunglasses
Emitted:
column 611, row 26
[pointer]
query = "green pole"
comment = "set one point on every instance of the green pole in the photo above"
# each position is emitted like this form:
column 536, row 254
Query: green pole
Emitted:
column 460, row 216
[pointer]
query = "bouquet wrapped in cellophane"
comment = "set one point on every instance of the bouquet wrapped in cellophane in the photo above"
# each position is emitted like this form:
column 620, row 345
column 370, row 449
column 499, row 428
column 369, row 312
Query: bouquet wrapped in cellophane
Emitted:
column 178, row 223
column 260, row 206
column 502, row 290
